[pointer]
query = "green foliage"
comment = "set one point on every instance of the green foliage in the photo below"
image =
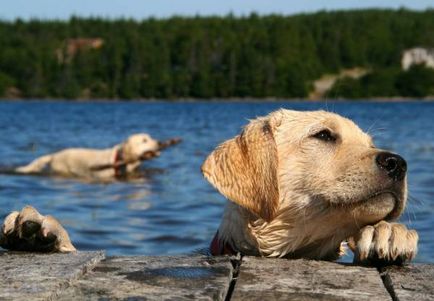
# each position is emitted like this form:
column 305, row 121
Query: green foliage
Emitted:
column 418, row 81
column 379, row 83
column 5, row 82
column 346, row 87
column 206, row 57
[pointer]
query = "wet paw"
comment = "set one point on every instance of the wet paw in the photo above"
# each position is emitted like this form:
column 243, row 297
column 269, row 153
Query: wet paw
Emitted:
column 28, row 230
column 384, row 244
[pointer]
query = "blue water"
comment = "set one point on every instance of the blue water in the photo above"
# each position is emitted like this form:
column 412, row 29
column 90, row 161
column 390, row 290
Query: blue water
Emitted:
column 174, row 210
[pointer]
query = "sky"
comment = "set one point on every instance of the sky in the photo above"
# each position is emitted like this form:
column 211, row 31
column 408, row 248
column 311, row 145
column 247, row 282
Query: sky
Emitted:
column 141, row 9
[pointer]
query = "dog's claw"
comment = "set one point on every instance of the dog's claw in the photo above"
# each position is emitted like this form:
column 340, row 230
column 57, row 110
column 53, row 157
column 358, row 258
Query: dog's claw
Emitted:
column 9, row 223
column 384, row 244
column 28, row 230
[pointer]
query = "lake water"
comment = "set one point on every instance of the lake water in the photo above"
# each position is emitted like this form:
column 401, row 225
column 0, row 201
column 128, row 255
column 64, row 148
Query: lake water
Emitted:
column 174, row 210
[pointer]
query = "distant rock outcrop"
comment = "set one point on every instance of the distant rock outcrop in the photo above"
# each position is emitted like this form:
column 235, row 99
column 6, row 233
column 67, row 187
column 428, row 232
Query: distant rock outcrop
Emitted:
column 322, row 85
column 71, row 46
column 417, row 56
column 13, row 93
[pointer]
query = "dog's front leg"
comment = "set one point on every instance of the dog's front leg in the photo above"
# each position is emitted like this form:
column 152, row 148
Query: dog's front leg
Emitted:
column 384, row 244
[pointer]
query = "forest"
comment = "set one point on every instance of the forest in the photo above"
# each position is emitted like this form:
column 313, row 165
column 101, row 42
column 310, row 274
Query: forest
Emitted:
column 254, row 56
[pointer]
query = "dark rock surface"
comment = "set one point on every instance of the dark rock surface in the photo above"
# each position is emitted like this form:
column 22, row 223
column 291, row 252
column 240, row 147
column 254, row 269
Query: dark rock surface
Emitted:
column 35, row 276
column 413, row 282
column 281, row 279
column 155, row 278
column 88, row 276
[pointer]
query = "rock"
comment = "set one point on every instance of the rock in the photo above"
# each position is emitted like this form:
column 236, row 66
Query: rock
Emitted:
column 322, row 85
column 282, row 279
column 37, row 276
column 87, row 275
column 414, row 282
column 155, row 278
column 417, row 56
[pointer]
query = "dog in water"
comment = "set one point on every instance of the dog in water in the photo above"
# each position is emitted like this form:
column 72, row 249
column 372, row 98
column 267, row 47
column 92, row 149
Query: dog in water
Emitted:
column 300, row 184
column 99, row 164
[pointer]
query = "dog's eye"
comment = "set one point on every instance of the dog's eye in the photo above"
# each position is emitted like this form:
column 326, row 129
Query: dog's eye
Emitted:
column 325, row 135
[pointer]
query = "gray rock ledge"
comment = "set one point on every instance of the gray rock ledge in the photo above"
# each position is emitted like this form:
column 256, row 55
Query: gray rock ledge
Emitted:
column 89, row 276
column 281, row 279
column 155, row 278
column 36, row 276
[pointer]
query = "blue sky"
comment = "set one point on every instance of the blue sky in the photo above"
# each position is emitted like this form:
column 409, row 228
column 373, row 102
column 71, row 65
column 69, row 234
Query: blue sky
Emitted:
column 139, row 9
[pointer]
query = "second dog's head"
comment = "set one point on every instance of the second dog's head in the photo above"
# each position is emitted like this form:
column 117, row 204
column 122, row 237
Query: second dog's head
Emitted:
column 304, row 160
column 139, row 147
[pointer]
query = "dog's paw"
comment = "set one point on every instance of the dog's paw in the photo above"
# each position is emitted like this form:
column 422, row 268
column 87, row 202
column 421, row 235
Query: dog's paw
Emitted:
column 28, row 230
column 384, row 244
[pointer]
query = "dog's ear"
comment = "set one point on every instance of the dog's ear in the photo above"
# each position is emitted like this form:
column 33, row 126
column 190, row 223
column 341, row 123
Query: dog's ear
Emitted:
column 244, row 169
column 128, row 154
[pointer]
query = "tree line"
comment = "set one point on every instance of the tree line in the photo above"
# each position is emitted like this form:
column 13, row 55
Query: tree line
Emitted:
column 215, row 57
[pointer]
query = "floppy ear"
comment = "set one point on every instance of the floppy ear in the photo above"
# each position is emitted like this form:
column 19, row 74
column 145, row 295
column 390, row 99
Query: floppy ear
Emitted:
column 244, row 169
column 127, row 151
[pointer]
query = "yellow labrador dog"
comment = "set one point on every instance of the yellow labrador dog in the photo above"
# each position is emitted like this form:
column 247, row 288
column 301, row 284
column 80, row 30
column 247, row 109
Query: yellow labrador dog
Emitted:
column 300, row 184
column 105, row 164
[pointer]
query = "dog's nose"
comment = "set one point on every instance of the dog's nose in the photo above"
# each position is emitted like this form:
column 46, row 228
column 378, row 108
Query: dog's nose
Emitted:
column 393, row 164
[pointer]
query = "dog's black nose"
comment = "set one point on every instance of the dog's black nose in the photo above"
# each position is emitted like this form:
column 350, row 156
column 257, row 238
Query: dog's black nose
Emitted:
column 393, row 164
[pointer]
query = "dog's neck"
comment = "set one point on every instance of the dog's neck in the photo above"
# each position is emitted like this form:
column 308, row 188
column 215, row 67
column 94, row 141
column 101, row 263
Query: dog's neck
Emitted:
column 234, row 231
column 294, row 232
column 119, row 164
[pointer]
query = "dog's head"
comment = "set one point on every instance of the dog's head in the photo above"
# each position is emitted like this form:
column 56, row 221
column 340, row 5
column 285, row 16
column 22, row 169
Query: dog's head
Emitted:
column 139, row 146
column 321, row 156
